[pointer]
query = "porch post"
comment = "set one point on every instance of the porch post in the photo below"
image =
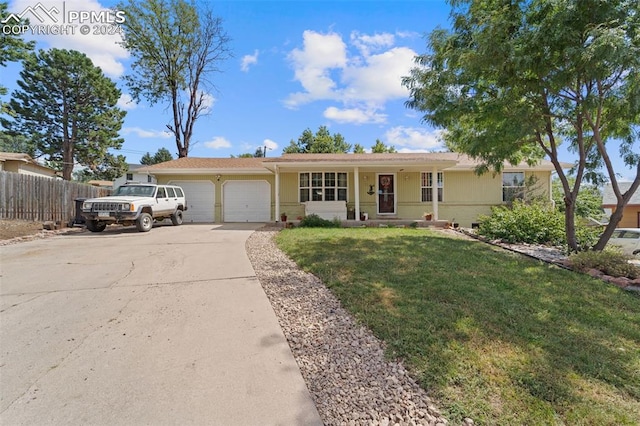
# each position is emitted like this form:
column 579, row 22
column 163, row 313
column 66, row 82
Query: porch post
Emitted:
column 434, row 192
column 277, row 194
column 356, row 188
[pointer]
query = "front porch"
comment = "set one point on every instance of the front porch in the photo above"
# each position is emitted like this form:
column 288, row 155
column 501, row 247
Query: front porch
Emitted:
column 382, row 189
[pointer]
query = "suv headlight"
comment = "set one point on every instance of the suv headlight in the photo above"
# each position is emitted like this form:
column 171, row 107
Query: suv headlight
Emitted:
column 125, row 207
column 86, row 206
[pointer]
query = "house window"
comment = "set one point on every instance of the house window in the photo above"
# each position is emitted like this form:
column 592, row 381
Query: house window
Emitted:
column 512, row 186
column 149, row 180
column 427, row 186
column 323, row 186
column 129, row 176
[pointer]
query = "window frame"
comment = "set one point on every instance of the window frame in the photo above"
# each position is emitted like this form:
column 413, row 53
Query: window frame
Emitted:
column 516, row 192
column 320, row 180
column 426, row 178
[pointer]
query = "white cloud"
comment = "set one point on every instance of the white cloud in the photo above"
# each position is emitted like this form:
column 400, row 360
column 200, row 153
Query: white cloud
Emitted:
column 380, row 78
column 207, row 101
column 248, row 60
column 271, row 145
column 313, row 64
column 218, row 142
column 414, row 139
column 368, row 43
column 362, row 76
column 101, row 48
column 142, row 133
column 126, row 102
column 353, row 115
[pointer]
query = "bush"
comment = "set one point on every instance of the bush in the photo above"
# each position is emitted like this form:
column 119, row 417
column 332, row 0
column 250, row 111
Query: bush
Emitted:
column 609, row 261
column 315, row 221
column 536, row 223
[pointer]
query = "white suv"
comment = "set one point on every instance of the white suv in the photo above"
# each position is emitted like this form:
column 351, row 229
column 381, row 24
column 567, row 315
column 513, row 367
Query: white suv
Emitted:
column 138, row 204
column 628, row 239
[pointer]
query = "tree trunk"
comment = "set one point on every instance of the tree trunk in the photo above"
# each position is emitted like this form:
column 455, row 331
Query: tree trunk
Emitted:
column 570, row 224
column 622, row 201
column 608, row 230
column 182, row 151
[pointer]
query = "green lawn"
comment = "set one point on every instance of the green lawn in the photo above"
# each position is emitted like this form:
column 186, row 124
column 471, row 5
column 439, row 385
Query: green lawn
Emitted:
column 491, row 335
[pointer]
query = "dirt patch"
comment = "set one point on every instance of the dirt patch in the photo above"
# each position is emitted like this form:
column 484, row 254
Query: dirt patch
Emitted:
column 18, row 228
column 14, row 231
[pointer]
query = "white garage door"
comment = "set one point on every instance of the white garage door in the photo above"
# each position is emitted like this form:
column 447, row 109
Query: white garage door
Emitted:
column 200, row 200
column 246, row 201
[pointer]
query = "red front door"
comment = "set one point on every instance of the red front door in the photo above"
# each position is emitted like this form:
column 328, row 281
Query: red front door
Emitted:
column 386, row 194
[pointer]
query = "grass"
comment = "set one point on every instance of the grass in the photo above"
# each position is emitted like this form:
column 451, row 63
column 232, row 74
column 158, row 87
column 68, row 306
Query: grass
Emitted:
column 491, row 335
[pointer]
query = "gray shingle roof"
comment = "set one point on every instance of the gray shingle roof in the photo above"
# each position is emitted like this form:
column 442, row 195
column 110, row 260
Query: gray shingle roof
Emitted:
column 609, row 198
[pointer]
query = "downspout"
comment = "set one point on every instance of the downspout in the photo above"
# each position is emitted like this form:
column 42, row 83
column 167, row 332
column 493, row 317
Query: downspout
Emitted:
column 356, row 188
column 277, row 194
column 434, row 192
column 553, row 204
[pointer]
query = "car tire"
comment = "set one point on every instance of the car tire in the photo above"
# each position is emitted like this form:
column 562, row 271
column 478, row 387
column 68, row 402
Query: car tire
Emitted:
column 144, row 223
column 96, row 226
column 176, row 218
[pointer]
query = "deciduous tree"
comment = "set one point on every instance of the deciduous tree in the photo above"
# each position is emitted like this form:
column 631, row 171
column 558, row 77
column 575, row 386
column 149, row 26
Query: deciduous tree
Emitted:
column 177, row 46
column 515, row 80
column 67, row 108
column 320, row 142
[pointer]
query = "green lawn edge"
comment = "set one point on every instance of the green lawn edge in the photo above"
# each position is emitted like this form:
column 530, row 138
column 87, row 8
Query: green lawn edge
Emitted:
column 490, row 334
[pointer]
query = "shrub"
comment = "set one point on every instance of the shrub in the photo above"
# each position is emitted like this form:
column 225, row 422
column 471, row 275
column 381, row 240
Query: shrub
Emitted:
column 536, row 223
column 609, row 261
column 315, row 221
column 587, row 236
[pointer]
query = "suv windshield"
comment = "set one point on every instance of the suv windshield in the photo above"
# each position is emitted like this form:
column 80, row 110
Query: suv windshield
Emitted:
column 135, row 190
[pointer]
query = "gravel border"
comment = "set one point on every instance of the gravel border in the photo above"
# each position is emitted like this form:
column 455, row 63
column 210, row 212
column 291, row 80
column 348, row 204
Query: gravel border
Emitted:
column 341, row 361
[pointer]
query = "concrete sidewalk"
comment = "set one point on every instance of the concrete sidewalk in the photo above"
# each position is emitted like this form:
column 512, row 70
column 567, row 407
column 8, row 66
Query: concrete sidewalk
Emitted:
column 158, row 328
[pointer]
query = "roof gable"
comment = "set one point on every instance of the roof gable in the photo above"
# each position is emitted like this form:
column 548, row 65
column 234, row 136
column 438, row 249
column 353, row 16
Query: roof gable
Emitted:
column 609, row 198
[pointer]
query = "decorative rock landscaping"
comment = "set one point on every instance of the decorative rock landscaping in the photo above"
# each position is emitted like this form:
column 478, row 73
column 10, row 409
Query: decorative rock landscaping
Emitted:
column 342, row 363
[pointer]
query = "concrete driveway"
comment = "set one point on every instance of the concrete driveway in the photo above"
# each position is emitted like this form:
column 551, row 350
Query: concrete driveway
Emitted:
column 129, row 328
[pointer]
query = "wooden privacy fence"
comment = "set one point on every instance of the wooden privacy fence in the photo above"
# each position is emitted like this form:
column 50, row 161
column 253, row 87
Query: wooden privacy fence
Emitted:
column 42, row 199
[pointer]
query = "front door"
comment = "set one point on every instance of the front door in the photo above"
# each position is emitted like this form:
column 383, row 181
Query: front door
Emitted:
column 386, row 194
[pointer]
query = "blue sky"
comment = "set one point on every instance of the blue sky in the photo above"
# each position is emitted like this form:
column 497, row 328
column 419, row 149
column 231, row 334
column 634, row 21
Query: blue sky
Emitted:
column 296, row 65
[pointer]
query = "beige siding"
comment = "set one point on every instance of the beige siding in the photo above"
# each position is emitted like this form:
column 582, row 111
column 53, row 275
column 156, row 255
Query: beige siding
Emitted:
column 466, row 195
column 630, row 217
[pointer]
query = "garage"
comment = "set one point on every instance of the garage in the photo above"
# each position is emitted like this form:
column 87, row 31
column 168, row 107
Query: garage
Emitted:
column 246, row 201
column 200, row 200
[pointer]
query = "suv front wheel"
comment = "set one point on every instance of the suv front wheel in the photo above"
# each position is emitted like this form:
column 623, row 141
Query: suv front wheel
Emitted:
column 96, row 226
column 144, row 223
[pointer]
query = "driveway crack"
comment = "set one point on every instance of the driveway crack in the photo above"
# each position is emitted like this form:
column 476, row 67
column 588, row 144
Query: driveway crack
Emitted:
column 64, row 358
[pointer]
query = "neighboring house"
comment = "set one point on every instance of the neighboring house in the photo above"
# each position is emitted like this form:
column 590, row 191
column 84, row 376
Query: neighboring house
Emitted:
column 24, row 164
column 384, row 186
column 133, row 175
column 631, row 212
